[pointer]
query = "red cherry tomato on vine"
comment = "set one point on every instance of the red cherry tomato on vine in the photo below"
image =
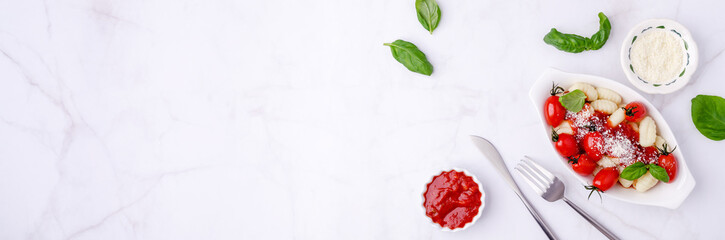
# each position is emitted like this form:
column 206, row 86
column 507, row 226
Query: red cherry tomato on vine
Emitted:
column 593, row 144
column 634, row 111
column 565, row 144
column 554, row 112
column 582, row 164
column 649, row 154
column 604, row 180
column 668, row 162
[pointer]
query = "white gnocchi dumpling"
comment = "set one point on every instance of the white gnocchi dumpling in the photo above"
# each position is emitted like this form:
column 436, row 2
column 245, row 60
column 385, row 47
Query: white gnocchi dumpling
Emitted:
column 607, row 161
column 564, row 127
column 625, row 183
column 588, row 90
column 616, row 118
column 604, row 106
column 660, row 142
column 608, row 94
column 645, row 182
column 647, row 132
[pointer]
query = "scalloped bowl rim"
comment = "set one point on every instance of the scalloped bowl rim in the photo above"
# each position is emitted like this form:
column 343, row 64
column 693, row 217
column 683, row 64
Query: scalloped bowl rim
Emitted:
column 692, row 49
column 480, row 209
column 668, row 195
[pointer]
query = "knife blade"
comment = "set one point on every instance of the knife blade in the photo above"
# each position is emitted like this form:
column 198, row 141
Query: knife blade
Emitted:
column 493, row 156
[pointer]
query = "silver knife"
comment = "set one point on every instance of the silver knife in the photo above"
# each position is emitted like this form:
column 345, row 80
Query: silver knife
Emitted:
column 495, row 158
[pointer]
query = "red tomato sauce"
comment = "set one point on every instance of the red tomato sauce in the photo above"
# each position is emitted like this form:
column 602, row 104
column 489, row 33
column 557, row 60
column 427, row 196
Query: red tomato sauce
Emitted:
column 452, row 199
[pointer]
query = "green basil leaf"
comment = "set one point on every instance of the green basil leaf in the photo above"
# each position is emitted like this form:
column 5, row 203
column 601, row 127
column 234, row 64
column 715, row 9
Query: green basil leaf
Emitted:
column 708, row 115
column 429, row 14
column 659, row 173
column 566, row 42
column 574, row 100
column 574, row 43
column 600, row 38
column 633, row 171
column 409, row 55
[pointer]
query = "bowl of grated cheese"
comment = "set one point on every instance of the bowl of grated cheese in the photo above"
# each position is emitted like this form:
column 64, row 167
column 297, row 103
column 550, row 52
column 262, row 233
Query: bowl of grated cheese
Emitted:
column 659, row 56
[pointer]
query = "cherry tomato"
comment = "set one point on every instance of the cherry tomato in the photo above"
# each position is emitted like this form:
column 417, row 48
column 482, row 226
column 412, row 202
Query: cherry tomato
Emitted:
column 582, row 164
column 554, row 112
column 634, row 111
column 649, row 155
column 605, row 179
column 565, row 144
column 668, row 162
column 592, row 143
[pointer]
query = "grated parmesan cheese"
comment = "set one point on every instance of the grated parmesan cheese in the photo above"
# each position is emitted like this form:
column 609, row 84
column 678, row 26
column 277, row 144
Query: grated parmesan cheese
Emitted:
column 657, row 56
column 619, row 146
column 616, row 143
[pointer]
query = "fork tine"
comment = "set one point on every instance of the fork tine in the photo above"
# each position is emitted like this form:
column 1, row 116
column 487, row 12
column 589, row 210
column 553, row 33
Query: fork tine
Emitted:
column 540, row 171
column 535, row 176
column 533, row 185
column 536, row 185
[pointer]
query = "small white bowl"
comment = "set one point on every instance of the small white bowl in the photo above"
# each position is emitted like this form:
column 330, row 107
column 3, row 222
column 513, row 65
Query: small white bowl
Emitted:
column 669, row 195
column 480, row 209
column 691, row 56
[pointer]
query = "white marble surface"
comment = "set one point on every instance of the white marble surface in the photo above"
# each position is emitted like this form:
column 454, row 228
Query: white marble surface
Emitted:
column 290, row 120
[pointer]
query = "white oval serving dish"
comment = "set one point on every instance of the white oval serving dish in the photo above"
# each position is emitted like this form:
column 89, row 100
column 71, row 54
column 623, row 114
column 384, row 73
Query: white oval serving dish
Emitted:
column 691, row 56
column 668, row 195
column 480, row 209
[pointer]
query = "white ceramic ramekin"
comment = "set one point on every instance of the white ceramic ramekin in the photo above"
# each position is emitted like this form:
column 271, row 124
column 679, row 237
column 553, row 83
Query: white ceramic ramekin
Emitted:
column 690, row 54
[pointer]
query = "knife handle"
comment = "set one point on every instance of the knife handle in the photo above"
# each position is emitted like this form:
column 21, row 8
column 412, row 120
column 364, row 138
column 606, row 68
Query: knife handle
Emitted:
column 536, row 215
column 501, row 167
column 591, row 220
column 503, row 170
column 496, row 160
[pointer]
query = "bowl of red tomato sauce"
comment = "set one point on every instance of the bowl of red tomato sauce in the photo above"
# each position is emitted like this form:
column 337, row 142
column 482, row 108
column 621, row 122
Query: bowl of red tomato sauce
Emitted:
column 453, row 200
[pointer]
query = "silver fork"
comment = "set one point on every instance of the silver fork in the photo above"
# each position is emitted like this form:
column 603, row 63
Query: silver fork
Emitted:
column 552, row 189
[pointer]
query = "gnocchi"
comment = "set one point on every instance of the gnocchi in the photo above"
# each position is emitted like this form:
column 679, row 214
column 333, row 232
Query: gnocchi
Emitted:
column 616, row 118
column 660, row 142
column 588, row 90
column 645, row 182
column 607, row 94
column 647, row 132
column 608, row 162
column 625, row 183
column 564, row 128
column 604, row 106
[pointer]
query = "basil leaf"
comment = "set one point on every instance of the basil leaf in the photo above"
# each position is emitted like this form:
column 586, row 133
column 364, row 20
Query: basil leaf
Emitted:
column 573, row 101
column 409, row 55
column 659, row 173
column 633, row 171
column 708, row 115
column 566, row 42
column 574, row 43
column 429, row 14
column 600, row 38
